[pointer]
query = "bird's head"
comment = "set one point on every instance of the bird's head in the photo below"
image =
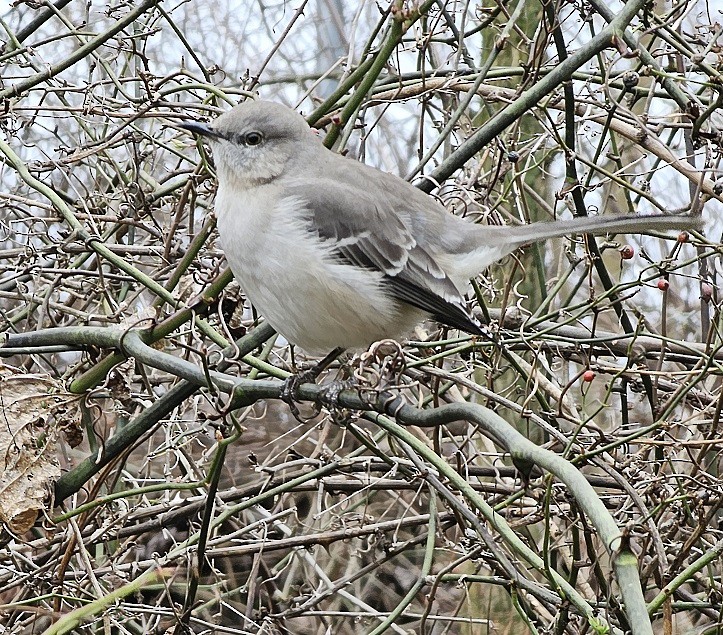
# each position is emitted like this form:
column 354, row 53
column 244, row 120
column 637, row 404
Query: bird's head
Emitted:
column 254, row 142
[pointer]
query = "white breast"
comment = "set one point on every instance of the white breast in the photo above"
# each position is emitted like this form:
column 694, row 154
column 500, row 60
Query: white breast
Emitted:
column 290, row 275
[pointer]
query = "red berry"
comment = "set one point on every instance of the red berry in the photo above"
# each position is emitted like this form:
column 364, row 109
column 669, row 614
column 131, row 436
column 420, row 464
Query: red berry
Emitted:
column 683, row 237
column 626, row 252
column 663, row 284
column 588, row 376
column 706, row 291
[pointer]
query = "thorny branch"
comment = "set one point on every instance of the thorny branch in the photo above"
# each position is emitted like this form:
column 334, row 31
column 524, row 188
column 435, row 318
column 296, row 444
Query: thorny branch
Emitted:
column 551, row 478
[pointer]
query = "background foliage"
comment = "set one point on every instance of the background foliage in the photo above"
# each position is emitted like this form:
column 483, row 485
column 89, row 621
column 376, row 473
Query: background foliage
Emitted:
column 186, row 498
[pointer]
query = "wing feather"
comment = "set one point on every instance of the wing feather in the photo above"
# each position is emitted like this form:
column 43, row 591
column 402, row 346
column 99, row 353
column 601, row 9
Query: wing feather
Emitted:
column 369, row 235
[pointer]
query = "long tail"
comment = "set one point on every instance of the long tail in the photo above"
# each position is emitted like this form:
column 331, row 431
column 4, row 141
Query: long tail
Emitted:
column 486, row 244
column 619, row 224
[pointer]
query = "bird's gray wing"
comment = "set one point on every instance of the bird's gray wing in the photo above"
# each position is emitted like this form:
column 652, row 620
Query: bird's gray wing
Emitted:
column 367, row 232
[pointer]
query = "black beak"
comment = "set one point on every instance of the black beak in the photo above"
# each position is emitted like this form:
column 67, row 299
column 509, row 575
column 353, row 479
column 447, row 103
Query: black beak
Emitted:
column 199, row 129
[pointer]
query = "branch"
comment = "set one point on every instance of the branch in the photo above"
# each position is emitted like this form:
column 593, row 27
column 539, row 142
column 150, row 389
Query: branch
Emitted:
column 523, row 451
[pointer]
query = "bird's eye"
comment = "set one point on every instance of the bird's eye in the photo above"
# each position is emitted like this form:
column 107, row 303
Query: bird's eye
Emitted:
column 253, row 138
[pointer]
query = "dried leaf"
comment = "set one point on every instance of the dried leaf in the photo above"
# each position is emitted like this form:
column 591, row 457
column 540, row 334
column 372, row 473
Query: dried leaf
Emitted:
column 32, row 409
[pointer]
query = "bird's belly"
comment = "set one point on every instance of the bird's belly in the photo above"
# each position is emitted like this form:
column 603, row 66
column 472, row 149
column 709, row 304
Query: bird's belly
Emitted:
column 311, row 299
column 318, row 316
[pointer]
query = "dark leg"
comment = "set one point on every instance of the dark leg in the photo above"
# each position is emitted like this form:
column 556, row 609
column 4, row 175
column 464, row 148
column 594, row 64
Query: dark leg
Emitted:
column 290, row 391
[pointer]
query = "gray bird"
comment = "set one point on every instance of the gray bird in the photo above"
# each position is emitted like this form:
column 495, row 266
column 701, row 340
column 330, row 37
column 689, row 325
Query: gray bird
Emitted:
column 337, row 254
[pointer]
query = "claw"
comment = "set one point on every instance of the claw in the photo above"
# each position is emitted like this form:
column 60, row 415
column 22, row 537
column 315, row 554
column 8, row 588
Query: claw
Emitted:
column 290, row 390
column 330, row 393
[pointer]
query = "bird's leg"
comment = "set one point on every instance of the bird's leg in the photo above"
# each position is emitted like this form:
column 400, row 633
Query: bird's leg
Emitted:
column 290, row 390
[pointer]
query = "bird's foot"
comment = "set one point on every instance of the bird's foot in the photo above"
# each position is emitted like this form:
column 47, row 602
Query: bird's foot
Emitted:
column 330, row 392
column 292, row 384
column 340, row 415
column 290, row 392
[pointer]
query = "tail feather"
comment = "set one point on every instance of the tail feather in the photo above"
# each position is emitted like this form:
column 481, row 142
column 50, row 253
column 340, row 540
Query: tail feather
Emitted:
column 489, row 243
column 535, row 232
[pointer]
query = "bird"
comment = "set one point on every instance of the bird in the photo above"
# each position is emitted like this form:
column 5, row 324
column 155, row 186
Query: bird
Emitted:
column 336, row 254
